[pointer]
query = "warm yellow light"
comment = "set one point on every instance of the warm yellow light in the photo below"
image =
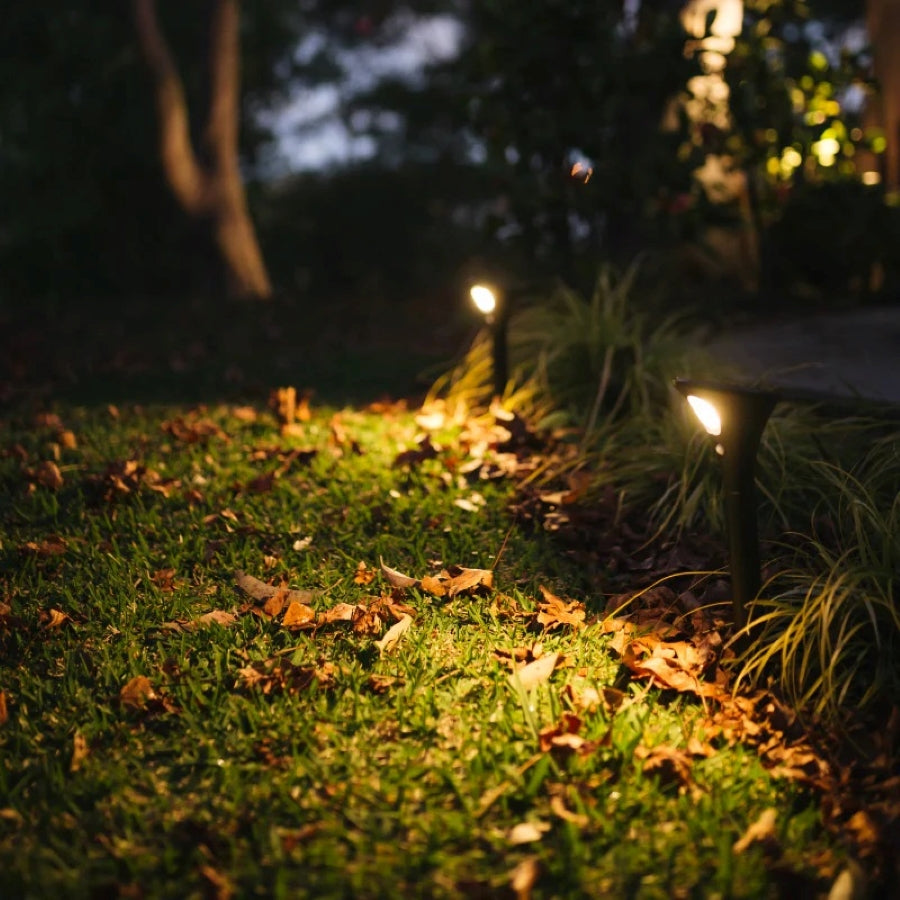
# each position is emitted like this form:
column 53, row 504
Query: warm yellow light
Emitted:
column 791, row 159
column 871, row 177
column 483, row 297
column 826, row 149
column 706, row 413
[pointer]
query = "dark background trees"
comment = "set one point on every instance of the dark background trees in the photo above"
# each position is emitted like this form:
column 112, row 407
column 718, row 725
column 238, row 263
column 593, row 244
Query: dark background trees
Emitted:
column 472, row 163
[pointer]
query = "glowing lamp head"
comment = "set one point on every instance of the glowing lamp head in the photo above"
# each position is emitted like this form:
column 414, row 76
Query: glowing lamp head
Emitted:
column 707, row 414
column 483, row 298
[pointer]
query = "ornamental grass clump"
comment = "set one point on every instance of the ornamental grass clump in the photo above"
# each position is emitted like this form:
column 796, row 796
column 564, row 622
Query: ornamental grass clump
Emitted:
column 827, row 626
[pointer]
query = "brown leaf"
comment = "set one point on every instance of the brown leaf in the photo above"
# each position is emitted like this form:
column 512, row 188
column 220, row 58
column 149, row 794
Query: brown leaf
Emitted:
column 54, row 618
column 138, row 692
column 48, row 475
column 865, row 831
column 364, row 575
column 424, row 449
column 579, row 484
column 340, row 612
column 280, row 676
column 219, row 617
column 560, row 810
column 762, row 831
column 193, row 430
column 54, row 545
column 221, row 886
column 262, row 484
column 527, row 832
column 519, row 655
column 535, row 673
column 564, row 737
column 667, row 673
column 79, row 751
column 433, row 586
column 393, row 634
column 48, row 420
column 4, row 710
column 260, row 591
column 299, row 616
column 289, row 408
column 669, row 764
column 275, row 604
column 555, row 612
column 67, row 439
column 164, row 579
column 523, row 877
column 395, row 578
column 469, row 581
column 458, row 580
column 381, row 684
column 244, row 414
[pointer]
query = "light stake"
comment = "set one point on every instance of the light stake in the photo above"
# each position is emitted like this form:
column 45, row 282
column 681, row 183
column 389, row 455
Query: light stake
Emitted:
column 496, row 315
column 736, row 417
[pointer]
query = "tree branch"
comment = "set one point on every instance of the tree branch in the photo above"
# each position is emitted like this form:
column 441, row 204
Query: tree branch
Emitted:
column 225, row 68
column 188, row 181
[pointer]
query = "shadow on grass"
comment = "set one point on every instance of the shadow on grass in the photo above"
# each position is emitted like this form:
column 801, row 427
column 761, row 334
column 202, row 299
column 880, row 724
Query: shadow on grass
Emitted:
column 147, row 350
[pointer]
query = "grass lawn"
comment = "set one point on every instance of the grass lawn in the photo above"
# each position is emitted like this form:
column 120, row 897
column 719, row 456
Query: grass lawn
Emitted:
column 211, row 686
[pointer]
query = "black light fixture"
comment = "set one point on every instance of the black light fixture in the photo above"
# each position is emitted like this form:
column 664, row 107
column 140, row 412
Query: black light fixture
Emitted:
column 735, row 418
column 495, row 309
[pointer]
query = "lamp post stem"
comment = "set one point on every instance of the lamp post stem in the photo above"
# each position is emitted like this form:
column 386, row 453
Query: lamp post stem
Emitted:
column 743, row 536
column 501, row 351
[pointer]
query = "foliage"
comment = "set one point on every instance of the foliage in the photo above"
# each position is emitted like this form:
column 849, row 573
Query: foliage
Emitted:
column 827, row 622
column 591, row 89
column 83, row 206
column 797, row 93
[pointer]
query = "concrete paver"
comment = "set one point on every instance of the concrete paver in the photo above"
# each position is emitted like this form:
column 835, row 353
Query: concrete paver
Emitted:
column 846, row 354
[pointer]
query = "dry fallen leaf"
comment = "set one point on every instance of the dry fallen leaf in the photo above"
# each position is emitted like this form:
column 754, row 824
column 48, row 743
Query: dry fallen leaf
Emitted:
column 527, row 832
column 535, row 673
column 458, row 580
column 214, row 617
column 560, row 810
column 4, row 711
column 221, row 887
column 554, row 612
column 395, row 578
column 138, row 692
column 762, row 831
column 260, row 591
column 563, row 738
column 393, row 634
column 275, row 676
column 54, row 545
column 79, row 751
column 193, row 429
column 669, row 764
column 523, row 877
column 340, row 612
column 298, row 615
column 54, row 618
column 220, row 617
column 164, row 580
column 851, row 884
column 48, row 475
column 463, row 581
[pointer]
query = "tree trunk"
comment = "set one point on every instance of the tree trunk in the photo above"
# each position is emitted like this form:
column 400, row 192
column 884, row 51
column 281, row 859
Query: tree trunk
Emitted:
column 215, row 191
column 883, row 25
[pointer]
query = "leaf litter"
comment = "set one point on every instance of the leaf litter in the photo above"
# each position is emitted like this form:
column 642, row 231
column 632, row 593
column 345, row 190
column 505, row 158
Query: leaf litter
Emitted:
column 663, row 635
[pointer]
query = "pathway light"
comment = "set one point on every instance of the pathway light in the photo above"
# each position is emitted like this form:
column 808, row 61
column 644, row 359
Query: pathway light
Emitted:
column 495, row 308
column 735, row 418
